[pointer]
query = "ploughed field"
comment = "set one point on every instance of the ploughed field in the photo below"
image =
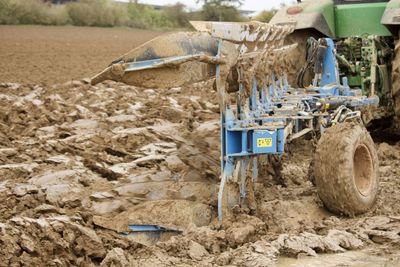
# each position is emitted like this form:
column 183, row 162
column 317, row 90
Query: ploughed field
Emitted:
column 78, row 163
column 37, row 54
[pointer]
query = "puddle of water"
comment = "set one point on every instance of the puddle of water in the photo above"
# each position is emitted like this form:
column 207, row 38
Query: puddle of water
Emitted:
column 350, row 258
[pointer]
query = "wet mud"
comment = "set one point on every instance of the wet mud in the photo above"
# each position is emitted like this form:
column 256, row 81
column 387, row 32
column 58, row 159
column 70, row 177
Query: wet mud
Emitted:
column 79, row 163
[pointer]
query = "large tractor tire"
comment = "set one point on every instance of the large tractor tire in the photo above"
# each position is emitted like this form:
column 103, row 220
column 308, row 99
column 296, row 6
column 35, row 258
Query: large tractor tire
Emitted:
column 297, row 56
column 396, row 83
column 346, row 169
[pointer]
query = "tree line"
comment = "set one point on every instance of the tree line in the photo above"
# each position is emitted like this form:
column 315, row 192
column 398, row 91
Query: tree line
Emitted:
column 107, row 13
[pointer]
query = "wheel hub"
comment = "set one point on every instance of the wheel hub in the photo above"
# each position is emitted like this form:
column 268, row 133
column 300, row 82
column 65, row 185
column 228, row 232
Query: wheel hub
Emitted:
column 363, row 170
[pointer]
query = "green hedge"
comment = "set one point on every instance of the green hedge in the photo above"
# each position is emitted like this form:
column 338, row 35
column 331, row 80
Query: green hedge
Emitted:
column 102, row 13
column 265, row 15
column 32, row 12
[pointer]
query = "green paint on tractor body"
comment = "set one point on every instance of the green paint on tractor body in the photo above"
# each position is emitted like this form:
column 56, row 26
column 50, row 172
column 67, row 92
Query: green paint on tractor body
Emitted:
column 360, row 20
column 341, row 18
column 365, row 32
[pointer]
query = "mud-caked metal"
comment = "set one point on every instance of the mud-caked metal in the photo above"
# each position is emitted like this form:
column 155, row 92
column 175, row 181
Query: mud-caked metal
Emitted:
column 273, row 115
column 366, row 34
column 263, row 113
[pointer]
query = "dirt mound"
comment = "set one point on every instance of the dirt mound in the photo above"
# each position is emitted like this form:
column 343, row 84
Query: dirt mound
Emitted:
column 80, row 162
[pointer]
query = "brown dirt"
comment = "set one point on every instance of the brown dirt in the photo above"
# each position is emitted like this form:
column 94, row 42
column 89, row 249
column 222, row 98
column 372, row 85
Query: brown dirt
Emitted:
column 35, row 54
column 80, row 162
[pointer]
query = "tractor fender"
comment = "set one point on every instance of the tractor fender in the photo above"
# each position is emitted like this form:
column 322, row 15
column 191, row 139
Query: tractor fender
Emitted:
column 391, row 16
column 318, row 15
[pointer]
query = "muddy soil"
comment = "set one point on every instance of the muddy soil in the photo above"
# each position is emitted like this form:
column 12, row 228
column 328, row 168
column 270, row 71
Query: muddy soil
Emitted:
column 36, row 54
column 79, row 163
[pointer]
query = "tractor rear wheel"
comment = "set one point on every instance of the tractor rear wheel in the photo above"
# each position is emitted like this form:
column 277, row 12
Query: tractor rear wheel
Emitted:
column 346, row 169
column 297, row 56
column 396, row 83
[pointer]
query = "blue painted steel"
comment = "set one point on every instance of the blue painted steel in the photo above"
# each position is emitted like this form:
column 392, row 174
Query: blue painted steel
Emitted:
column 150, row 228
column 243, row 175
column 253, row 99
column 158, row 63
column 258, row 127
column 370, row 101
column 255, row 169
column 260, row 123
column 330, row 73
column 281, row 141
column 222, row 120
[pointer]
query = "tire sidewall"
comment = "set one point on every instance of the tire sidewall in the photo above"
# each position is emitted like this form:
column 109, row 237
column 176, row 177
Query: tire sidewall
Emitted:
column 334, row 169
column 364, row 139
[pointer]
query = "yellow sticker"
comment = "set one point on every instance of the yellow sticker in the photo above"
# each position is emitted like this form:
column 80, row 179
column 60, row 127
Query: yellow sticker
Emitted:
column 264, row 142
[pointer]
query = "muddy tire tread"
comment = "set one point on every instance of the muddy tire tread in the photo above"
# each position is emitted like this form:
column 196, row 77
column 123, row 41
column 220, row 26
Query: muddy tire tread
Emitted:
column 297, row 56
column 396, row 81
column 336, row 187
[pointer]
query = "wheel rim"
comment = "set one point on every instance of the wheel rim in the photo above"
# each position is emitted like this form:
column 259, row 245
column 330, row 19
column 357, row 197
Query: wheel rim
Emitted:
column 363, row 170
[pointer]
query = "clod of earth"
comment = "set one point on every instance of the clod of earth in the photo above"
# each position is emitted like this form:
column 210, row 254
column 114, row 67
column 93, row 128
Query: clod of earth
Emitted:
column 78, row 163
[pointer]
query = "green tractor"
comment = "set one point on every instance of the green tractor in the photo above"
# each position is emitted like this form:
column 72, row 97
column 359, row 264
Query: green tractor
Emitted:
column 366, row 34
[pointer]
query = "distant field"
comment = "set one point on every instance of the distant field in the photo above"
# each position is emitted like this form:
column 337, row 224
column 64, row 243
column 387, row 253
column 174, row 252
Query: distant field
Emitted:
column 47, row 54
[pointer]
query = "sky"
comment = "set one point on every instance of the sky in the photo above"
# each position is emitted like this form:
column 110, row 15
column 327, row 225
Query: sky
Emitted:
column 252, row 5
